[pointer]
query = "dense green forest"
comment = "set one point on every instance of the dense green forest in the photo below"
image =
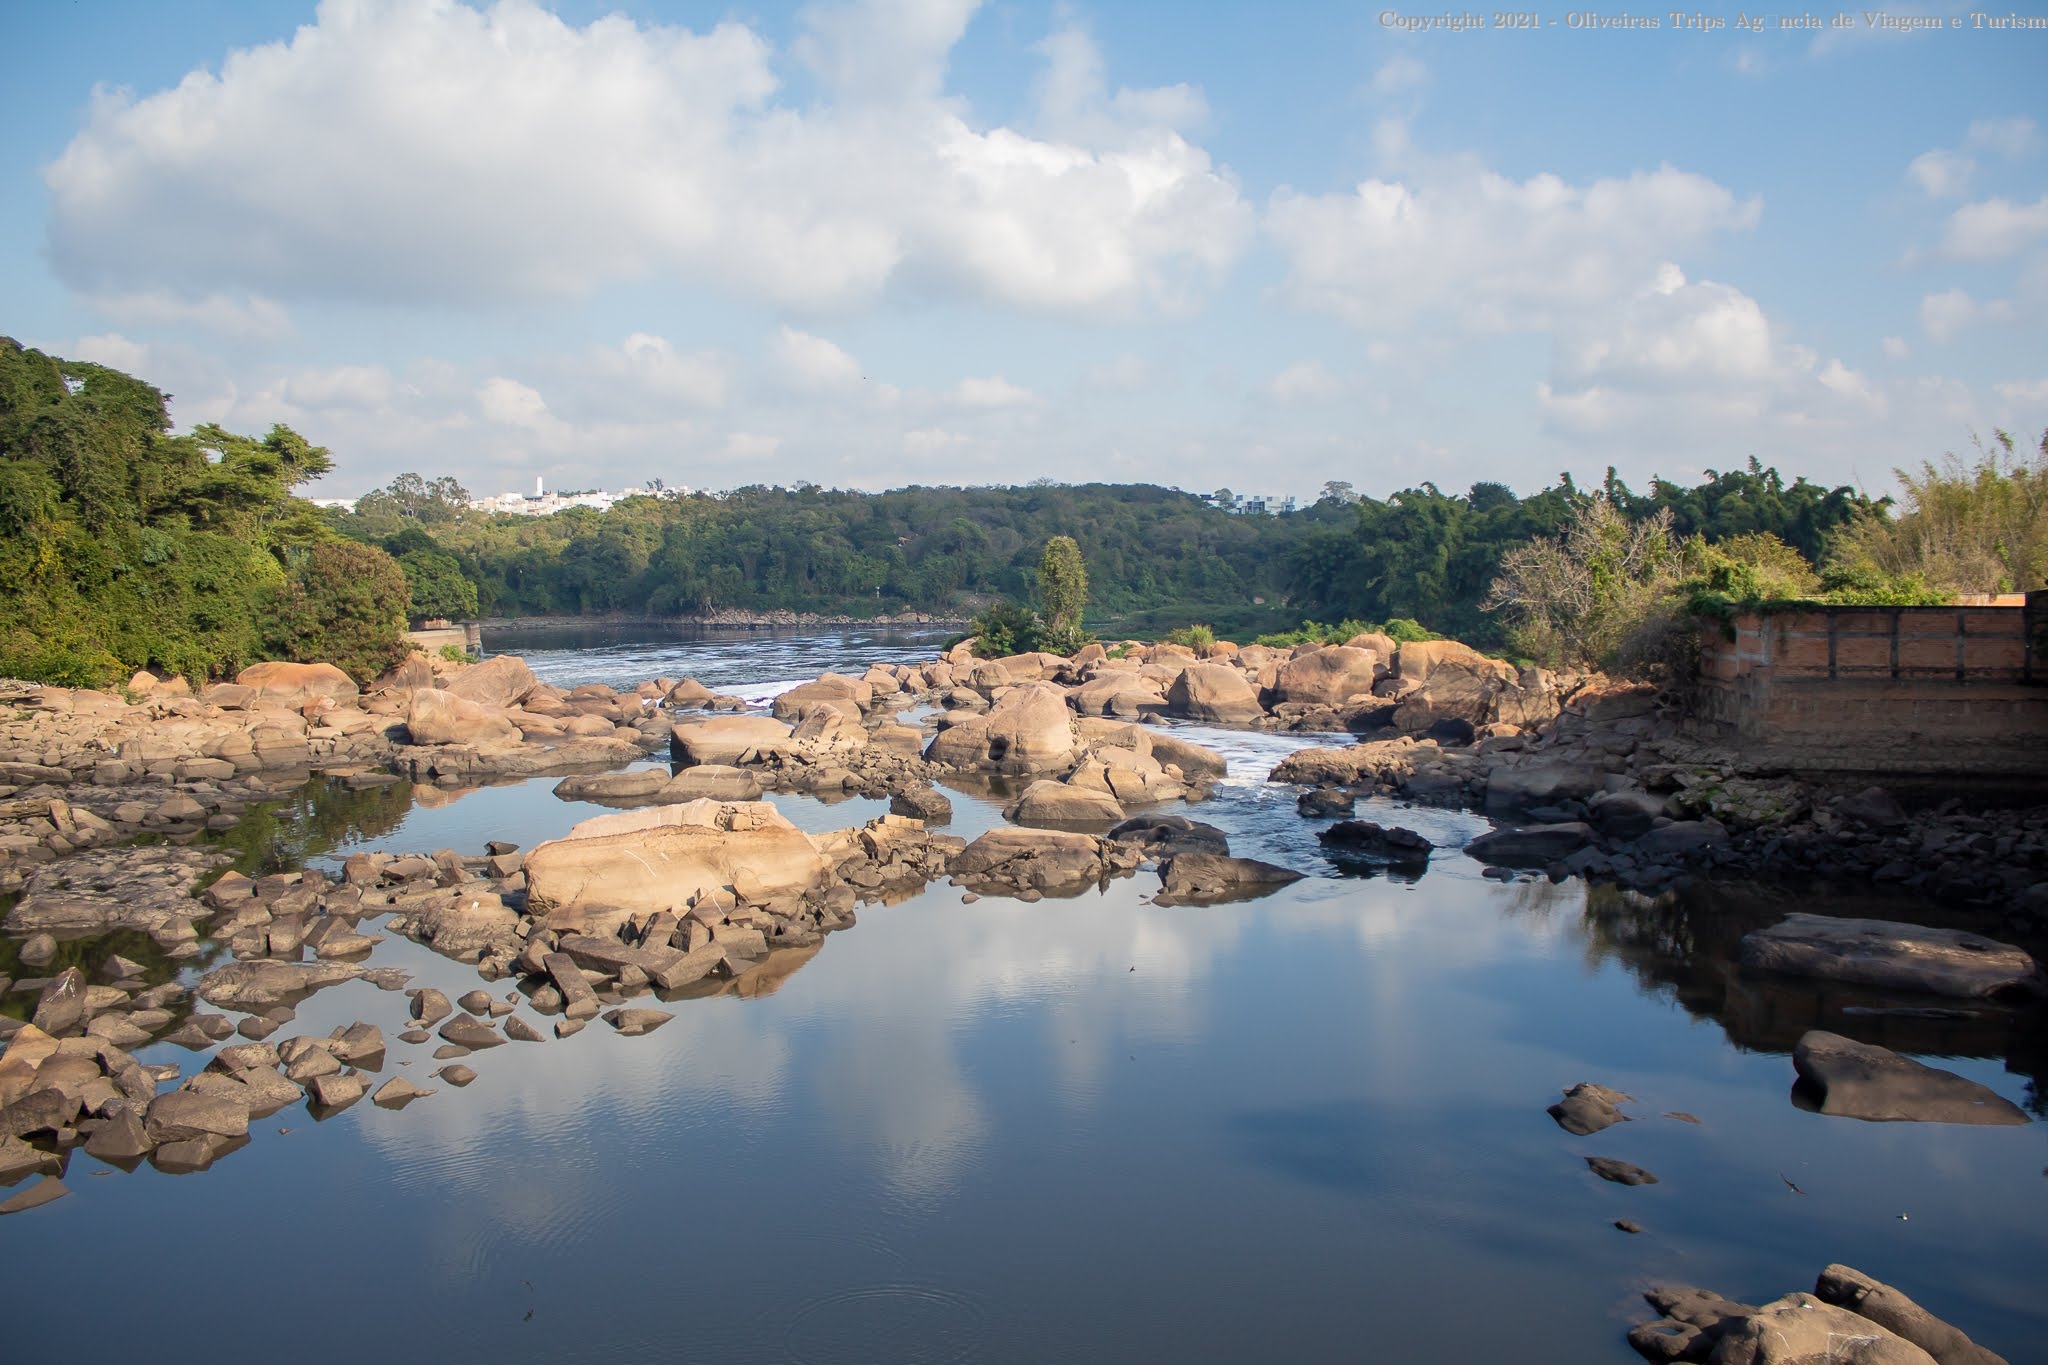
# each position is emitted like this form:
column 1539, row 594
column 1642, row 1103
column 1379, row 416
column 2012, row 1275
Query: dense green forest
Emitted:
column 123, row 546
column 1156, row 557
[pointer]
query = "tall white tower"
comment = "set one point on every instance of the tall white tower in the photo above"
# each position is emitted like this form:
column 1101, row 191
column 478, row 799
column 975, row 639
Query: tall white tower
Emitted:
column 536, row 486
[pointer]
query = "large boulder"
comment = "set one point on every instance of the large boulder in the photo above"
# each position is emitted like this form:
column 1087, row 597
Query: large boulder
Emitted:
column 1029, row 729
column 639, row 862
column 1216, row 693
column 1452, row 682
column 1849, row 1288
column 827, row 687
column 1799, row 1329
column 500, row 681
column 725, row 739
column 1207, row 878
column 1044, row 860
column 1891, row 955
column 1058, row 803
column 438, row 717
column 1862, row 1081
column 297, row 685
column 1328, row 677
column 1117, row 693
column 1131, row 777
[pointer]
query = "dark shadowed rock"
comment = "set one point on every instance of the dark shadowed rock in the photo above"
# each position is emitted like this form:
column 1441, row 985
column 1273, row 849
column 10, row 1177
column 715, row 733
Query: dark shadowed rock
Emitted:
column 1164, row 834
column 1363, row 841
column 1323, row 801
column 1587, row 1108
column 1895, row 956
column 1532, row 845
column 1863, row 1081
column 1620, row 1172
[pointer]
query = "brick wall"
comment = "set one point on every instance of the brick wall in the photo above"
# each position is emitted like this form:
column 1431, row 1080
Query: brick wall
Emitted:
column 1954, row 691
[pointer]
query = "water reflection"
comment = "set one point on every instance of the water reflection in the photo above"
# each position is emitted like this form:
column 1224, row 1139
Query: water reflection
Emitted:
column 1684, row 946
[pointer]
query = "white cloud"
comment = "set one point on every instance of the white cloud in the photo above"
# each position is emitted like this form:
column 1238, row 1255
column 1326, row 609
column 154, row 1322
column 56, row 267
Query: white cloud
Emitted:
column 1994, row 228
column 2012, row 138
column 748, row 445
column 1124, row 373
column 114, row 351
column 1952, row 311
column 1493, row 254
column 812, row 362
column 1697, row 358
column 1308, row 382
column 932, row 440
column 545, row 160
column 662, row 372
column 1398, row 74
column 513, row 404
column 991, row 392
column 1942, row 173
column 342, row 386
column 252, row 315
column 1896, row 348
column 2023, row 390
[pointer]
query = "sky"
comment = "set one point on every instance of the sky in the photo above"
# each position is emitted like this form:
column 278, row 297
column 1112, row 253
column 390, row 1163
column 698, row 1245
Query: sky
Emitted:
column 871, row 243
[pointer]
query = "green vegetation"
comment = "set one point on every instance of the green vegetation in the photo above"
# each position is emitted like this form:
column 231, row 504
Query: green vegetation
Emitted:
column 1401, row 630
column 1197, row 638
column 1063, row 592
column 1975, row 527
column 122, row 546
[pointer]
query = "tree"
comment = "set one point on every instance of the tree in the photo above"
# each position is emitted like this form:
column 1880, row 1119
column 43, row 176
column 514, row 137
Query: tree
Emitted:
column 1976, row 527
column 343, row 604
column 437, row 586
column 1576, row 598
column 1063, row 589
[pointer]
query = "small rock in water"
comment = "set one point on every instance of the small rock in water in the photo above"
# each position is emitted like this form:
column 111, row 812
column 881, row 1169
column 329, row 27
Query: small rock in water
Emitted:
column 1682, row 1116
column 565, row 1027
column 520, row 1031
column 466, row 1032
column 1626, row 1226
column 430, row 1007
column 476, row 1002
column 634, row 1022
column 1620, row 1172
column 38, row 950
column 337, row 1091
column 397, row 1093
column 414, row 1035
column 256, row 1028
column 447, row 1050
column 1587, row 1108
column 456, row 1074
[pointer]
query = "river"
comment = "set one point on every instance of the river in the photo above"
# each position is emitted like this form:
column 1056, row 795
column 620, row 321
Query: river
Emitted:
column 1308, row 1127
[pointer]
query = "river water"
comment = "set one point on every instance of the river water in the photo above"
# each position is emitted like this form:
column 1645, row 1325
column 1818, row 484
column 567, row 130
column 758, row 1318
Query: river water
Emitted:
column 1303, row 1127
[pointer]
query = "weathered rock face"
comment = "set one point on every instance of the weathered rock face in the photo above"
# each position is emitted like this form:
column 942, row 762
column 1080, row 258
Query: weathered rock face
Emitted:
column 1117, row 694
column 1894, row 956
column 1328, row 677
column 1029, row 729
column 297, row 685
column 1196, row 763
column 1888, row 1308
column 498, row 682
column 1377, row 760
column 724, row 740
column 258, row 984
column 640, row 862
column 440, row 717
column 1215, row 693
column 1166, row 835
column 1799, row 1329
column 827, row 687
column 1863, row 1081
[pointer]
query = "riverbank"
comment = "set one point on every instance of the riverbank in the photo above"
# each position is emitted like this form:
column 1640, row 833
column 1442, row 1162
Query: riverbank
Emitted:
column 724, row 619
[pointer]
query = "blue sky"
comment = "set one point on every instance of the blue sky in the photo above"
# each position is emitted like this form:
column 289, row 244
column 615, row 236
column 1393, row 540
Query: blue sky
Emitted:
column 880, row 242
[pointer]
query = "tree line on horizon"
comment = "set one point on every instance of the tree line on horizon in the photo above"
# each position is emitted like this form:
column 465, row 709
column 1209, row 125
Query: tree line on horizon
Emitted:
column 124, row 546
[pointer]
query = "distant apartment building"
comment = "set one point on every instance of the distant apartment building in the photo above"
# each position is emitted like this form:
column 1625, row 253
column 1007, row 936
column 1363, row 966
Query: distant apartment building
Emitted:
column 1250, row 504
column 540, row 502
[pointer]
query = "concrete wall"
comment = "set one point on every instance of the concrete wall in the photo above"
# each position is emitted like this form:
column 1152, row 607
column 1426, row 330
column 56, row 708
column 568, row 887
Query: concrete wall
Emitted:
column 1938, row 691
column 469, row 638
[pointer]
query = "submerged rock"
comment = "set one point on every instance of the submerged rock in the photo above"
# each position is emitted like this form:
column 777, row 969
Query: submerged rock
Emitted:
column 1207, row 878
column 1863, row 1081
column 257, row 984
column 1619, row 1172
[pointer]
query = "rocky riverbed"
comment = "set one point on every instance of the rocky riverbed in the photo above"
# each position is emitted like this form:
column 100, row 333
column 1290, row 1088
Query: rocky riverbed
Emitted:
column 114, row 808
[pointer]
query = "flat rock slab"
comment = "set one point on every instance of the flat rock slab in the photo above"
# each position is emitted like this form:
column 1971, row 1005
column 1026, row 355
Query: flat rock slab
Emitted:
column 1862, row 1081
column 259, row 984
column 35, row 1196
column 1895, row 956
column 124, row 888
